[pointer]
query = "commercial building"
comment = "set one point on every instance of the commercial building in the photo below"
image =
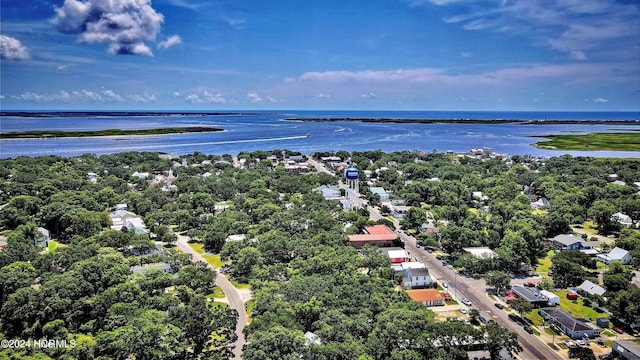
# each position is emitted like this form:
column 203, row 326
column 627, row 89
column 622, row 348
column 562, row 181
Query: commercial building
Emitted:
column 377, row 235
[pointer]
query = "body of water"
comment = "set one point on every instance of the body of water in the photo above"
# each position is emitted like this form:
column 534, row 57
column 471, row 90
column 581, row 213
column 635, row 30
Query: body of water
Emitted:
column 269, row 131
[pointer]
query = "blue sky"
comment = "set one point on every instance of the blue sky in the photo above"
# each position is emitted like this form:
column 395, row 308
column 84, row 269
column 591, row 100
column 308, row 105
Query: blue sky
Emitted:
column 311, row 54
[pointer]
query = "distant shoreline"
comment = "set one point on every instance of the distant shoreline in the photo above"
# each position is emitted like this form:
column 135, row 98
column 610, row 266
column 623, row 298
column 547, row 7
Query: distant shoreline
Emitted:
column 469, row 121
column 75, row 114
column 52, row 134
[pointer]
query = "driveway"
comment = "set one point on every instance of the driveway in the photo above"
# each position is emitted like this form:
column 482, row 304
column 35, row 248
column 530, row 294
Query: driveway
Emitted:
column 233, row 296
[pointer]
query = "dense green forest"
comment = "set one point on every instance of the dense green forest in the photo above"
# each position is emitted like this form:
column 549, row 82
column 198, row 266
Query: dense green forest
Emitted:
column 303, row 274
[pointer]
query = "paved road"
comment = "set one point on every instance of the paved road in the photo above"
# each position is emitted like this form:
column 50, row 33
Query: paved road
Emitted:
column 229, row 291
column 475, row 290
column 472, row 289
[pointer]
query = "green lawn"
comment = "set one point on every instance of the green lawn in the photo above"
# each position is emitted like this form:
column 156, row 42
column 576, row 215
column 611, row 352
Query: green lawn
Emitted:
column 240, row 285
column 217, row 293
column 212, row 259
column 544, row 264
column 53, row 245
column 250, row 305
column 589, row 227
column 577, row 309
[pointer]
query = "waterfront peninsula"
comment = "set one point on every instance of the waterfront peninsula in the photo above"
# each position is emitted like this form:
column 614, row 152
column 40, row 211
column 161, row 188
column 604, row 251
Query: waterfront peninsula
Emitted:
column 48, row 134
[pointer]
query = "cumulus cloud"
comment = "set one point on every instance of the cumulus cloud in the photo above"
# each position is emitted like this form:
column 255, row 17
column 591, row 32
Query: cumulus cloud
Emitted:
column 12, row 49
column 201, row 96
column 171, row 41
column 124, row 24
column 323, row 96
column 71, row 96
column 369, row 95
column 143, row 98
column 254, row 97
column 578, row 55
column 600, row 100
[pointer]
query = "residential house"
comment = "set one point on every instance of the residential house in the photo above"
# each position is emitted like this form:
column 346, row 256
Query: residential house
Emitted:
column 312, row 339
column 567, row 242
column 398, row 212
column 571, row 326
column 429, row 297
column 377, row 235
column 140, row 175
column 235, row 237
column 480, row 252
column 617, row 254
column 93, row 177
column 416, row 278
column 137, row 225
column 591, row 288
column 622, row 219
column 540, row 203
column 429, row 228
column 119, row 217
column 553, row 298
column 384, row 196
column 3, row 242
column 331, row 192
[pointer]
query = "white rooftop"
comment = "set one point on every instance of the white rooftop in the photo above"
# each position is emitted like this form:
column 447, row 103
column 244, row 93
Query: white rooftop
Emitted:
column 480, row 251
column 398, row 254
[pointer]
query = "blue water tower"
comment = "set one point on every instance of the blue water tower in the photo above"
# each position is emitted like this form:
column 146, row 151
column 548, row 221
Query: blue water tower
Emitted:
column 352, row 192
column 351, row 174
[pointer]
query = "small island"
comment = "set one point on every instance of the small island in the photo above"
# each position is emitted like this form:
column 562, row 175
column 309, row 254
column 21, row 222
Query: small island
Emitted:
column 616, row 141
column 48, row 134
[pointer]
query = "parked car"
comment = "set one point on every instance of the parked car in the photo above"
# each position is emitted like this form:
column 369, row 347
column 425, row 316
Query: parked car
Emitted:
column 569, row 344
column 499, row 306
column 466, row 301
column 530, row 284
column 445, row 285
column 464, row 310
column 483, row 319
column 618, row 330
column 528, row 329
column 450, row 267
column 582, row 343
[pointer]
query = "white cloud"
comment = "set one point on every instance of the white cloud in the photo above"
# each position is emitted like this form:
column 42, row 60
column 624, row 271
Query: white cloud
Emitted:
column 416, row 3
column 144, row 98
column 323, row 96
column 12, row 49
column 236, row 23
column 578, row 55
column 82, row 95
column 62, row 68
column 600, row 100
column 171, row 41
column 434, row 77
column 466, row 54
column 201, row 96
column 254, row 97
column 124, row 24
column 562, row 25
column 369, row 95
